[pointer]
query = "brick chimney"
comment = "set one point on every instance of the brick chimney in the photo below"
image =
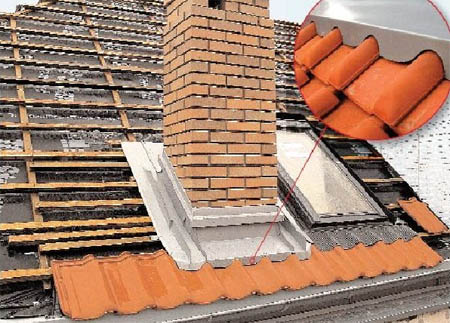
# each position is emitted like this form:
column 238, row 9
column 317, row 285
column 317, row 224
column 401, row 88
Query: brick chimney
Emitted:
column 219, row 101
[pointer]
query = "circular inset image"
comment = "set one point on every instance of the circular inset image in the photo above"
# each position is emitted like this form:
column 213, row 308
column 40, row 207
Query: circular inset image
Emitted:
column 373, row 70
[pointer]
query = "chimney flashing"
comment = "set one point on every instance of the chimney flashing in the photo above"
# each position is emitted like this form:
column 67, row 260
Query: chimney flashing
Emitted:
column 195, row 236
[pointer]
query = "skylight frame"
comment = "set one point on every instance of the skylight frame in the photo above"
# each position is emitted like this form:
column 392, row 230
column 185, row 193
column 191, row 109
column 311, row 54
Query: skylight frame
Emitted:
column 304, row 212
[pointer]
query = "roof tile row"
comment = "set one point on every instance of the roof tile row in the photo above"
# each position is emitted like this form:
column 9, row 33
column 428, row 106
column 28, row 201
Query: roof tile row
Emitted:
column 127, row 284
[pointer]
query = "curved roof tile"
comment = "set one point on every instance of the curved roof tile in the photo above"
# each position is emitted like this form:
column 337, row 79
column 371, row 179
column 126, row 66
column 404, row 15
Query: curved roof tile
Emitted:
column 386, row 98
column 127, row 284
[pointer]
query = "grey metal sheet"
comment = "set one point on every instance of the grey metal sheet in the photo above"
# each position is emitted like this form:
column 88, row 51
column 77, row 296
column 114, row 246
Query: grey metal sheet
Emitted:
column 194, row 236
column 403, row 28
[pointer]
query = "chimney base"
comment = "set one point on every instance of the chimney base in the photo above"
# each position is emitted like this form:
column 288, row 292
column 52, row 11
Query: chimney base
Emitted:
column 218, row 236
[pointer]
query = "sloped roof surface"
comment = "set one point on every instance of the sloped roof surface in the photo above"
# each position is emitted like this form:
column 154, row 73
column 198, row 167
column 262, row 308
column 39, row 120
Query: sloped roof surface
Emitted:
column 127, row 284
column 362, row 95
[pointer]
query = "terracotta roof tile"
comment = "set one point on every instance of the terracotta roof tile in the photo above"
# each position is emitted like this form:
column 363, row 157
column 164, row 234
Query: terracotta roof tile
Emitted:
column 399, row 96
column 305, row 35
column 328, row 66
column 356, row 62
column 127, row 284
column 408, row 88
column 423, row 216
column 425, row 110
column 368, row 87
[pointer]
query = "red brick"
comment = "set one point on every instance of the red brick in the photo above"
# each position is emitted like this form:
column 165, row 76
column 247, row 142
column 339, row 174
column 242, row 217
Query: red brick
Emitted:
column 195, row 183
column 268, row 105
column 205, row 171
column 205, row 149
column 260, row 73
column 243, row 104
column 263, row 138
column 259, row 31
column 244, row 171
column 193, row 136
column 230, row 137
column 255, row 11
column 268, row 85
column 225, row 47
column 208, row 12
column 226, row 92
column 208, row 195
column 268, row 127
column 243, row 60
column 205, row 125
column 243, row 126
column 206, row 34
column 187, row 114
column 261, row 182
column 227, row 159
column 244, row 193
column 225, row 26
column 264, row 22
column 209, row 79
column 205, row 56
column 227, row 182
column 193, row 160
column 243, row 82
column 227, row 114
column 236, row 16
column 259, row 52
column 242, row 39
column 267, row 43
column 260, row 115
column 226, row 69
column 269, row 171
column 269, row 149
column 228, row 203
column 243, row 148
column 261, row 160
column 205, row 102
column 260, row 94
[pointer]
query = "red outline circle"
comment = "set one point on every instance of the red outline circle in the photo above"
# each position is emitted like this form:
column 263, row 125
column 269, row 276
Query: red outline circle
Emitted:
column 398, row 136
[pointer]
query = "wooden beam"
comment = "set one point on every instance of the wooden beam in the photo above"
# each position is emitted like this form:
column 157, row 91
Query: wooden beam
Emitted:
column 55, row 82
column 393, row 206
column 48, row 237
column 66, row 126
column 66, row 246
column 367, row 158
column 70, row 224
column 98, row 15
column 77, row 50
column 339, row 137
column 426, row 234
column 71, row 204
column 65, row 22
column 24, row 275
column 62, row 154
column 383, row 180
column 76, row 164
column 58, row 186
column 78, row 104
column 77, row 65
